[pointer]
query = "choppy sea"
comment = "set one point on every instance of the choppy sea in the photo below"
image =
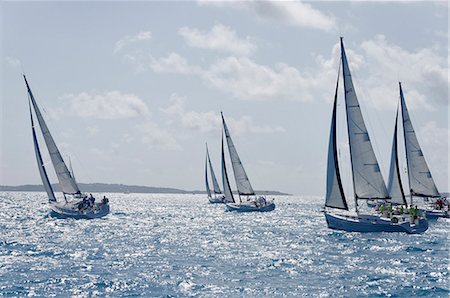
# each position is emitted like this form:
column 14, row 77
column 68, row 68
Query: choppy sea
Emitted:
column 160, row 245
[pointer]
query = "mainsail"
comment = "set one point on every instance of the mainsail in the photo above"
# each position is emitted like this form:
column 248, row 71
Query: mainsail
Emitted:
column 243, row 184
column 226, row 183
column 67, row 183
column 335, row 197
column 421, row 182
column 395, row 182
column 47, row 186
column 368, row 182
column 213, row 176
column 208, row 190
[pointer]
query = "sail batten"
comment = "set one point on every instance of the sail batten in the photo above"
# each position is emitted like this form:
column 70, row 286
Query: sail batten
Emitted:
column 242, row 182
column 368, row 182
column 66, row 181
column 225, row 182
column 421, row 182
column 335, row 197
column 395, row 187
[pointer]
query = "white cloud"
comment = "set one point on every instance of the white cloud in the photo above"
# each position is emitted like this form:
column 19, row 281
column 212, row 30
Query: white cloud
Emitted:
column 434, row 141
column 376, row 66
column 129, row 39
column 107, row 105
column 220, row 38
column 173, row 63
column 13, row 62
column 423, row 72
column 246, row 79
column 293, row 13
column 156, row 137
column 211, row 121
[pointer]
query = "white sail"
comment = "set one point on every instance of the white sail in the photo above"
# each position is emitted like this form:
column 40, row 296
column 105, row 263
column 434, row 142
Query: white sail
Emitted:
column 67, row 183
column 368, row 182
column 213, row 176
column 395, row 188
column 225, row 182
column 421, row 182
column 45, row 181
column 243, row 184
column 208, row 190
column 71, row 171
column 334, row 197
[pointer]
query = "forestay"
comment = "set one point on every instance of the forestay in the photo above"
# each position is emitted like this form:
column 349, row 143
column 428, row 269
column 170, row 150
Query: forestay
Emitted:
column 67, row 183
column 243, row 184
column 421, row 182
column 335, row 197
column 368, row 182
column 226, row 183
column 395, row 187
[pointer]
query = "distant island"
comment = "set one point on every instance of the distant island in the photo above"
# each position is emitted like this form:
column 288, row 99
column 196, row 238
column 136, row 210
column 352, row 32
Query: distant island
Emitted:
column 121, row 188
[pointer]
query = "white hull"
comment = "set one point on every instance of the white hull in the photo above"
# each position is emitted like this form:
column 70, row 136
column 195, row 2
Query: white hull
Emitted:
column 70, row 210
column 217, row 200
column 251, row 206
column 366, row 223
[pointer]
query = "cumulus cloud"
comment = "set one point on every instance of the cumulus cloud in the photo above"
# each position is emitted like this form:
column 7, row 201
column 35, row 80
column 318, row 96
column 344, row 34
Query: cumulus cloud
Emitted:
column 376, row 64
column 293, row 13
column 210, row 121
column 220, row 38
column 157, row 137
column 106, row 105
column 173, row 63
column 246, row 79
column 424, row 73
column 129, row 39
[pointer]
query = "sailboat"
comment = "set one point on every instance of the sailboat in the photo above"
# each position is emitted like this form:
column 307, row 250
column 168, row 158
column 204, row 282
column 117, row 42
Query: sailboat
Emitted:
column 368, row 182
column 421, row 183
column 251, row 202
column 76, row 204
column 218, row 197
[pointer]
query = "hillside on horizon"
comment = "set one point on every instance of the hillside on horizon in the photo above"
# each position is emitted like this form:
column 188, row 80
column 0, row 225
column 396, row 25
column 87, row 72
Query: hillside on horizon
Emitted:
column 121, row 188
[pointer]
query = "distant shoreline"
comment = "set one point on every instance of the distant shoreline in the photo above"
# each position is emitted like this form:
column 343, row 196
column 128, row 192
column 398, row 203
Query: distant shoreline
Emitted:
column 121, row 188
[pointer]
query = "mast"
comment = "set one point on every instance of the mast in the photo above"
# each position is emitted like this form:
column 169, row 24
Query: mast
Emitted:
column 421, row 183
column 242, row 182
column 395, row 187
column 335, row 197
column 368, row 182
column 66, row 181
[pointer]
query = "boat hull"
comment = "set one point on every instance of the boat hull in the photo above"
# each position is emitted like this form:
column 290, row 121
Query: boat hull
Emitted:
column 435, row 214
column 373, row 223
column 70, row 210
column 219, row 200
column 250, row 208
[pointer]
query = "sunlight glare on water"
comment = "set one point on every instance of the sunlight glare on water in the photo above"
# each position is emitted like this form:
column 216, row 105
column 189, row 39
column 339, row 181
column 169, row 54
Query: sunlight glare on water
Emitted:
column 157, row 245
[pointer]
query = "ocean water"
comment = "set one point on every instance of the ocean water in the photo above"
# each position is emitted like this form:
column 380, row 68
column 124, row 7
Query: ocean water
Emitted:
column 155, row 245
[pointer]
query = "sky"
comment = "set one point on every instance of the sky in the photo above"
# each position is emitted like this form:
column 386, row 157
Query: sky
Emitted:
column 131, row 91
